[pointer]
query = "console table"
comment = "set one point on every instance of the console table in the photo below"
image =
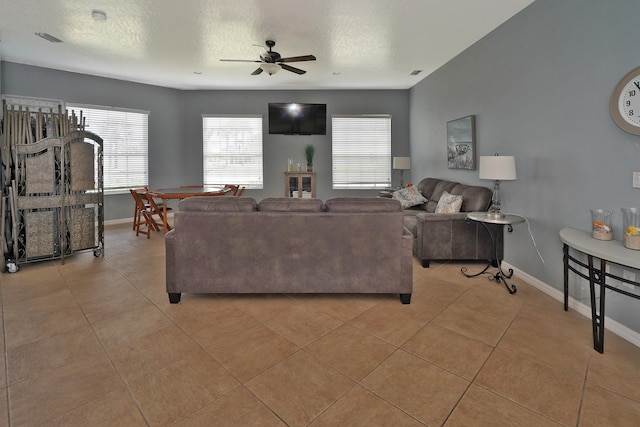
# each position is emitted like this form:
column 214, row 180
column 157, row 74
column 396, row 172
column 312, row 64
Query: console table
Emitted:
column 509, row 220
column 612, row 251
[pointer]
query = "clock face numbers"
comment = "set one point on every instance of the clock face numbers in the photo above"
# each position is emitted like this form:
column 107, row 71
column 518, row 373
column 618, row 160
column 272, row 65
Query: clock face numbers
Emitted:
column 629, row 102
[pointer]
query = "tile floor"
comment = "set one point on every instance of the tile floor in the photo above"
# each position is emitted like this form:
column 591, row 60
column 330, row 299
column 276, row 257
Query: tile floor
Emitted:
column 94, row 342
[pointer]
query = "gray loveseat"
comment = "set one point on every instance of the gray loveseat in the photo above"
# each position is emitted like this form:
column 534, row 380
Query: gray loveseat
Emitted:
column 450, row 236
column 286, row 245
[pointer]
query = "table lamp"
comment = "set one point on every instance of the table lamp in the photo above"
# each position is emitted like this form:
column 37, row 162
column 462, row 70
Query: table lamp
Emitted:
column 497, row 168
column 402, row 163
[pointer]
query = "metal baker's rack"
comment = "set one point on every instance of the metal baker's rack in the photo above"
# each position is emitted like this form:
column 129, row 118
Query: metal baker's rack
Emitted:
column 52, row 203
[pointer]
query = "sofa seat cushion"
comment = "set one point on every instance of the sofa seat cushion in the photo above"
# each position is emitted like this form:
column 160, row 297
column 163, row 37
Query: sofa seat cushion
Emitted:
column 414, row 210
column 411, row 224
column 289, row 204
column 218, row 203
column 362, row 204
column 409, row 196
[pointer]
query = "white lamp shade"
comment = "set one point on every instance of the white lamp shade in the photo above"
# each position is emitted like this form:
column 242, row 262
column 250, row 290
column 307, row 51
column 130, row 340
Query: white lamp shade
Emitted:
column 501, row 168
column 402, row 162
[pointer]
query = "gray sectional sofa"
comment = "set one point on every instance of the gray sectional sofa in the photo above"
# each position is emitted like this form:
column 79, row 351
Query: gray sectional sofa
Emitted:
column 450, row 236
column 286, row 245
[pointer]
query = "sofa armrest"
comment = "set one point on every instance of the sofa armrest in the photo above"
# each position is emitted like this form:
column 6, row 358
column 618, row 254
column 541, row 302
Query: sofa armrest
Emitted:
column 452, row 237
column 440, row 217
column 445, row 236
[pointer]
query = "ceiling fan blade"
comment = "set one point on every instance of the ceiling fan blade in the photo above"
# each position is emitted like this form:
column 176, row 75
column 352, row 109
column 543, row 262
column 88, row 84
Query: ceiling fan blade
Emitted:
column 292, row 69
column 297, row 58
column 257, row 71
column 238, row 60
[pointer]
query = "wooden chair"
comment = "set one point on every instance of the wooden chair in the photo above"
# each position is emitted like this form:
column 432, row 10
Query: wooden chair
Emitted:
column 143, row 216
column 136, row 209
column 155, row 209
column 236, row 190
column 233, row 189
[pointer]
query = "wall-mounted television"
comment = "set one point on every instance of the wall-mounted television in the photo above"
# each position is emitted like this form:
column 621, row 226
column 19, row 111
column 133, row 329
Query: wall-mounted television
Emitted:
column 292, row 118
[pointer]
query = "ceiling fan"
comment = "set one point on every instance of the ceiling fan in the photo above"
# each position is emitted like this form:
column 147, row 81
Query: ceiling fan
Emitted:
column 271, row 61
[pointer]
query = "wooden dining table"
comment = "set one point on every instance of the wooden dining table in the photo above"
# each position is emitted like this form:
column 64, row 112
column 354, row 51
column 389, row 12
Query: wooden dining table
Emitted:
column 167, row 194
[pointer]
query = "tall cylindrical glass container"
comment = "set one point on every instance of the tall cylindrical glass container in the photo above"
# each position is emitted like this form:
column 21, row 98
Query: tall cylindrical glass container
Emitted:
column 601, row 224
column 631, row 228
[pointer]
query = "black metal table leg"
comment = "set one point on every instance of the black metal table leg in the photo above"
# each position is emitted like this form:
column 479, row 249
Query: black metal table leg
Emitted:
column 565, row 260
column 464, row 270
column 500, row 275
column 596, row 277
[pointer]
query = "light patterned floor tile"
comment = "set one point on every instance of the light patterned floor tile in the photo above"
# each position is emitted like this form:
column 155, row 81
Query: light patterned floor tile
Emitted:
column 419, row 388
column 94, row 341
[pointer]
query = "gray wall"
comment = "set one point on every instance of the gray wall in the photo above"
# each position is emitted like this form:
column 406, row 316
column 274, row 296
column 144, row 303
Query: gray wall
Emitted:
column 162, row 103
column 539, row 86
column 279, row 148
column 175, row 125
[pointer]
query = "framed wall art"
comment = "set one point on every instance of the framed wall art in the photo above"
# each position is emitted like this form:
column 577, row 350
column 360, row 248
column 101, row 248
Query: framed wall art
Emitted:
column 461, row 143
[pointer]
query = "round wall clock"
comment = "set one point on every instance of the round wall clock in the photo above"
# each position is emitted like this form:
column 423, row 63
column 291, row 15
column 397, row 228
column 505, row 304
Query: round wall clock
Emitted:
column 625, row 102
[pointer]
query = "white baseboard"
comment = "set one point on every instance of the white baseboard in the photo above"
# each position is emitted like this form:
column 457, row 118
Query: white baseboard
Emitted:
column 118, row 221
column 609, row 324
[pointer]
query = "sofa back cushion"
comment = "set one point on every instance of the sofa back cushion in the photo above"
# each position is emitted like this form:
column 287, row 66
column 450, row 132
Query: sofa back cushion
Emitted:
column 362, row 205
column 289, row 204
column 427, row 185
column 218, row 203
column 474, row 198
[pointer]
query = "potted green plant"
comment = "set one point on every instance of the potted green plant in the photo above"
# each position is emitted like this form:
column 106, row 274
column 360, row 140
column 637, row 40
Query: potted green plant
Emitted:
column 309, row 151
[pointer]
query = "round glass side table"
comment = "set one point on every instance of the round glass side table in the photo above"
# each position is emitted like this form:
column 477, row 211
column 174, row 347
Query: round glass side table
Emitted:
column 508, row 220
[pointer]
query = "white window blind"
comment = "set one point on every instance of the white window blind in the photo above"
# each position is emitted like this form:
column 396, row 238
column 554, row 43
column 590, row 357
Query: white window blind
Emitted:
column 232, row 150
column 125, row 143
column 361, row 147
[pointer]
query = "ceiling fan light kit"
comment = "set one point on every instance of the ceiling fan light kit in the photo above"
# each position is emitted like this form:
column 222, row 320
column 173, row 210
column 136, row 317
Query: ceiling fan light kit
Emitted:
column 272, row 61
column 270, row 68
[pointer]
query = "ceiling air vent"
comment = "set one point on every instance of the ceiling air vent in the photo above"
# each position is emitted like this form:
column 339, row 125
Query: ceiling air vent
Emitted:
column 415, row 72
column 49, row 37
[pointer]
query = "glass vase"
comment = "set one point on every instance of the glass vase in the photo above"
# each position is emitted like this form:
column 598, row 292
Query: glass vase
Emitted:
column 631, row 228
column 601, row 224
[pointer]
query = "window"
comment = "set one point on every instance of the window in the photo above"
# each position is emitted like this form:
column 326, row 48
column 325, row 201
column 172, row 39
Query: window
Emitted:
column 125, row 144
column 232, row 150
column 361, row 147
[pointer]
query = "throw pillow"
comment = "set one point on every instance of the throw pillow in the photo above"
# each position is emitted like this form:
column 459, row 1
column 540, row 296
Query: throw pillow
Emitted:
column 449, row 203
column 409, row 196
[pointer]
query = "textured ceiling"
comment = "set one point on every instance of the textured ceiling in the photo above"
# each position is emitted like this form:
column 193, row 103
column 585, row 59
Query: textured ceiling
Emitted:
column 359, row 44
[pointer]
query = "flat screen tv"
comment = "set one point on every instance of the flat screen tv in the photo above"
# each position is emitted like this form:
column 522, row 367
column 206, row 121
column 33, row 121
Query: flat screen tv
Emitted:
column 293, row 118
